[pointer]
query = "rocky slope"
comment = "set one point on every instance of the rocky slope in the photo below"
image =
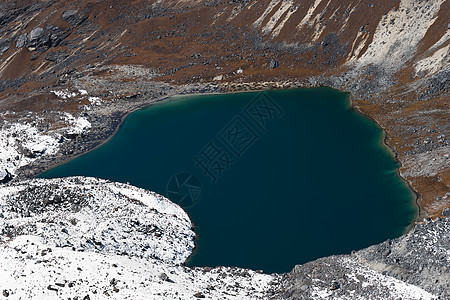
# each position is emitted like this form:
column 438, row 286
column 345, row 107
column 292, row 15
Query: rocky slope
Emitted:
column 82, row 238
column 415, row 266
column 59, row 57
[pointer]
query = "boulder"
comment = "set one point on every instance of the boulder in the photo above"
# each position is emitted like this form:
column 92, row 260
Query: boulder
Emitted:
column 21, row 41
column 41, row 39
column 35, row 35
column 446, row 212
column 56, row 35
column 163, row 277
column 7, row 177
column 199, row 295
column 273, row 64
column 38, row 39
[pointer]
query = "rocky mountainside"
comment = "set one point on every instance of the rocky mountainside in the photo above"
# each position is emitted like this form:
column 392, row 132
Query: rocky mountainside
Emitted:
column 101, row 59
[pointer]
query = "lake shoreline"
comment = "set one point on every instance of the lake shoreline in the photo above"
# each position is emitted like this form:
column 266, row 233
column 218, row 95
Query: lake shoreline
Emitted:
column 39, row 168
column 230, row 89
column 320, row 104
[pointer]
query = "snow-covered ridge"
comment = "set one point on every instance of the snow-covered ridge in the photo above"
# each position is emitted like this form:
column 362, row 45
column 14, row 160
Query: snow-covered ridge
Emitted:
column 86, row 237
column 96, row 215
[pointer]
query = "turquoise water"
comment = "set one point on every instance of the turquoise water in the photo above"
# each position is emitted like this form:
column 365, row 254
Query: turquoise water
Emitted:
column 269, row 179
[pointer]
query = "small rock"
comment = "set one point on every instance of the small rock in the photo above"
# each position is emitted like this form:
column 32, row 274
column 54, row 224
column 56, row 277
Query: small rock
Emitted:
column 5, row 293
column 21, row 41
column 446, row 212
column 334, row 286
column 199, row 295
column 163, row 277
column 4, row 45
column 52, row 288
column 273, row 64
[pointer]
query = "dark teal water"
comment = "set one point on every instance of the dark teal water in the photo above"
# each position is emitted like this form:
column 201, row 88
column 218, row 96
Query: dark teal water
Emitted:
column 269, row 179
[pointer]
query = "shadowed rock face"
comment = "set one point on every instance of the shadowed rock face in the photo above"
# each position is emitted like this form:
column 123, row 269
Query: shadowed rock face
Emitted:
column 73, row 17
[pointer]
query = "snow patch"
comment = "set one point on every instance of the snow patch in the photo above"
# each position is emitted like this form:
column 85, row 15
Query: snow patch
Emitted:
column 95, row 100
column 398, row 289
column 285, row 5
column 266, row 12
column 98, row 215
column 77, row 125
column 83, row 92
column 442, row 40
column 64, row 94
column 280, row 26
column 309, row 14
column 22, row 144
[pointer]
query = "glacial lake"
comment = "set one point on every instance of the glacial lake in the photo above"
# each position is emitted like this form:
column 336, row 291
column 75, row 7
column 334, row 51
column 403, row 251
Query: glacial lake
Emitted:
column 270, row 179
